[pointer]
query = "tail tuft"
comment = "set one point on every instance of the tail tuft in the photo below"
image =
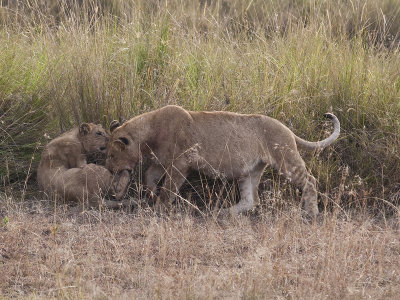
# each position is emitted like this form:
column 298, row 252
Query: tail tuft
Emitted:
column 329, row 116
column 324, row 143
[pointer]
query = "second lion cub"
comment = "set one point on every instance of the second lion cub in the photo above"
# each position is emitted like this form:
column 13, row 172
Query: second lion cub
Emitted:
column 63, row 170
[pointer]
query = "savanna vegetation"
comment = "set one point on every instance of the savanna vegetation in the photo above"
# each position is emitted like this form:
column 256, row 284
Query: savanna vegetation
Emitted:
column 66, row 62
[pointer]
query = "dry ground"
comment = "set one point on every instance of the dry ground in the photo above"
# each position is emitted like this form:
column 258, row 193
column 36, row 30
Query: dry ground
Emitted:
column 45, row 253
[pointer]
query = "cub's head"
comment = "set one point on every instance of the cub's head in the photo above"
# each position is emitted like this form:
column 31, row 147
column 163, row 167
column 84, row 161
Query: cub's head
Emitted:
column 123, row 150
column 93, row 138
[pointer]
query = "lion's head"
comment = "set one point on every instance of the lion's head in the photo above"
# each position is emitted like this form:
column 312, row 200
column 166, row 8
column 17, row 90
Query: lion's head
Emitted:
column 123, row 150
column 93, row 138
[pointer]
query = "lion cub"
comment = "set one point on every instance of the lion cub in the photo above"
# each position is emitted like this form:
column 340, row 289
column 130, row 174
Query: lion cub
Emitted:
column 63, row 170
column 217, row 143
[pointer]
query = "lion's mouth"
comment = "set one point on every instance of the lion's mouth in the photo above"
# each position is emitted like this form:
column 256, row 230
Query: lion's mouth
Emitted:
column 119, row 171
column 129, row 169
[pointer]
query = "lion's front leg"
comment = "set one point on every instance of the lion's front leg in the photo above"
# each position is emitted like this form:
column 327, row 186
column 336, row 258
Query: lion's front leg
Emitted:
column 174, row 179
column 153, row 176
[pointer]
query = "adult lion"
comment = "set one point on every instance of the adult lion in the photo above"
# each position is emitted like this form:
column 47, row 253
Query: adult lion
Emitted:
column 63, row 169
column 219, row 144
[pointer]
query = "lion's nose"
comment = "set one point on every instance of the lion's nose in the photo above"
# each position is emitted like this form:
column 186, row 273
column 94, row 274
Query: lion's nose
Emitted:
column 102, row 148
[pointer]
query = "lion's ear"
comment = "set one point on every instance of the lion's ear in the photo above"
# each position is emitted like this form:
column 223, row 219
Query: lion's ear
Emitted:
column 119, row 145
column 122, row 120
column 124, row 140
column 84, row 128
column 113, row 125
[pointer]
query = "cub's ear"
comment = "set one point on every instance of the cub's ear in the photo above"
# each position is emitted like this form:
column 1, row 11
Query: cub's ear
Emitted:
column 114, row 124
column 84, row 128
column 119, row 145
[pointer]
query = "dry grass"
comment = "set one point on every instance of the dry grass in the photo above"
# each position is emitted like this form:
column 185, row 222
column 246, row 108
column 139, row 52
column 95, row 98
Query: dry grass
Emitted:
column 123, row 255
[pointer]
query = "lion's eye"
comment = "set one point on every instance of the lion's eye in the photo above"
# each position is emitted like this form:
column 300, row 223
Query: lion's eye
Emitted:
column 99, row 133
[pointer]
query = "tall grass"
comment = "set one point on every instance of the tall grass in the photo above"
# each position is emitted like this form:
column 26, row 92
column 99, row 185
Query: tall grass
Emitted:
column 65, row 62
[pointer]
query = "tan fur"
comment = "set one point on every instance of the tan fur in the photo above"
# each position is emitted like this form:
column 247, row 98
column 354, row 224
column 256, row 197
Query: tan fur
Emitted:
column 63, row 170
column 219, row 144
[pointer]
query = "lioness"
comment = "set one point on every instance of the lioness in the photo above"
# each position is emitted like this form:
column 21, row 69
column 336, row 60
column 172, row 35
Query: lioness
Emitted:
column 63, row 169
column 219, row 144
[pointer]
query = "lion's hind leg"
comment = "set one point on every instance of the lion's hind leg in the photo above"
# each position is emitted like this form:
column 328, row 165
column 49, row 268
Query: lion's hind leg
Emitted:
column 248, row 187
column 294, row 169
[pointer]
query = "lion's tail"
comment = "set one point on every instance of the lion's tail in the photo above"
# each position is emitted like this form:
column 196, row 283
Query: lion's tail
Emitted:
column 324, row 143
